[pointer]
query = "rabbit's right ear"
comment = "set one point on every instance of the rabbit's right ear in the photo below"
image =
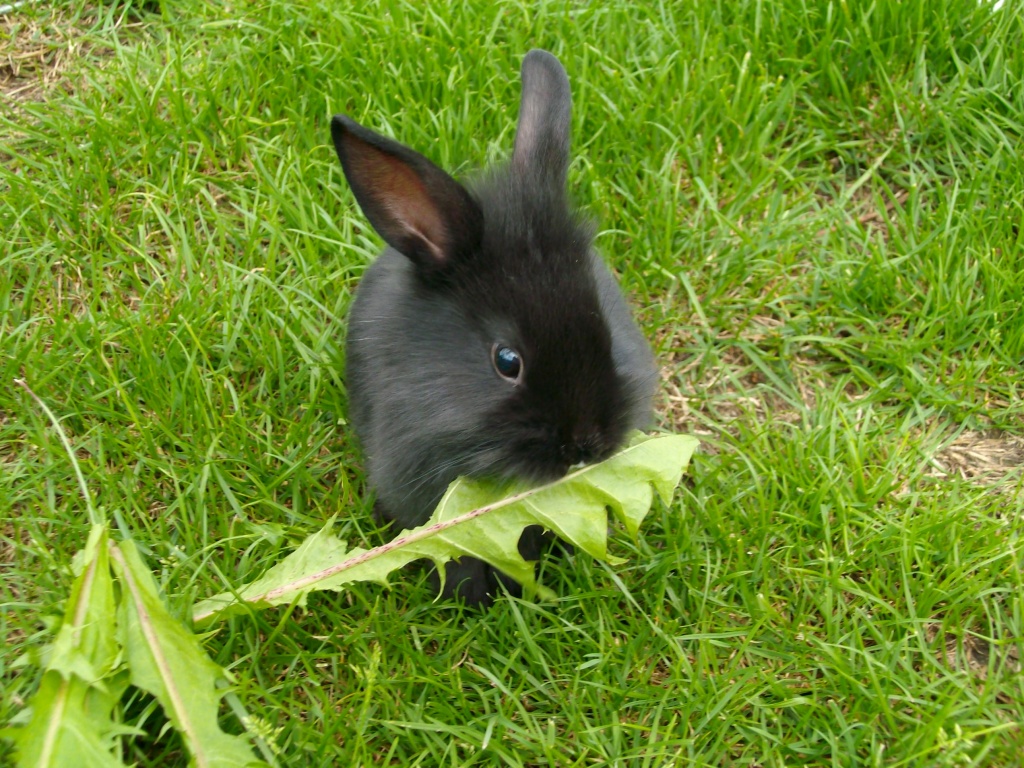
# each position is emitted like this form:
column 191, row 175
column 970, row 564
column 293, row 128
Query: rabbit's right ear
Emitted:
column 541, row 149
column 419, row 210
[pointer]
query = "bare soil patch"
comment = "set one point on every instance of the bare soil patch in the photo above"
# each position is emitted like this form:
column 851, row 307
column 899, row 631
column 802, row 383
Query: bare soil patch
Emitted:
column 975, row 655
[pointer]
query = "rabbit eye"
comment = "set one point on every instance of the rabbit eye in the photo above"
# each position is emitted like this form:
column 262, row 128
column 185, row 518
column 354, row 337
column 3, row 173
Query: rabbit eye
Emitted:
column 507, row 362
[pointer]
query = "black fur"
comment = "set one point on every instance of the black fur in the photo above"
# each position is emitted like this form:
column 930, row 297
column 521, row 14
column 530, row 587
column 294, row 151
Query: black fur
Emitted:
column 507, row 262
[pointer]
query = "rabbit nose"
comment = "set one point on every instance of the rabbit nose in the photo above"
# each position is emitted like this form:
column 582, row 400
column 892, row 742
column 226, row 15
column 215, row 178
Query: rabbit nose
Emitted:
column 570, row 455
column 578, row 452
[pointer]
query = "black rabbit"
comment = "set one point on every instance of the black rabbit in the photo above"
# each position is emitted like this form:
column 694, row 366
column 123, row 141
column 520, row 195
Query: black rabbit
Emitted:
column 489, row 339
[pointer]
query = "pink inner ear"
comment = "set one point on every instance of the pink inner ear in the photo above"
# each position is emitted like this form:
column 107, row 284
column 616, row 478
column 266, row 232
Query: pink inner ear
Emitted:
column 526, row 135
column 401, row 192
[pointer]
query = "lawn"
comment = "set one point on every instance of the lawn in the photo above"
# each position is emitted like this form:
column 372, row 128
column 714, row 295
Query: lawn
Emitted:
column 816, row 209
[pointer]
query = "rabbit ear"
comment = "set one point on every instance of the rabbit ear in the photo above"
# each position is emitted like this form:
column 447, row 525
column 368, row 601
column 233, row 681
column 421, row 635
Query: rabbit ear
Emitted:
column 545, row 112
column 417, row 208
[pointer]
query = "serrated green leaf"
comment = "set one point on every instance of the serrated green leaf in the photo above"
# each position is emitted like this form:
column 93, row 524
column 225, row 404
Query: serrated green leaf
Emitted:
column 483, row 520
column 166, row 660
column 71, row 719
column 86, row 645
column 71, row 724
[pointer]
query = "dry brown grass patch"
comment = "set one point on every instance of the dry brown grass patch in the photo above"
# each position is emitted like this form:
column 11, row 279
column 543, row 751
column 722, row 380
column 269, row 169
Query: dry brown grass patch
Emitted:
column 36, row 53
column 40, row 46
column 987, row 458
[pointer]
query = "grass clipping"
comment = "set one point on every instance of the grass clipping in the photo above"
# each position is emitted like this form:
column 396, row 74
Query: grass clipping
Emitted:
column 482, row 520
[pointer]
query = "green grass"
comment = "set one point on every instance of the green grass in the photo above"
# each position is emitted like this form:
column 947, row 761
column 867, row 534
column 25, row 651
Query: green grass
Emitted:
column 817, row 210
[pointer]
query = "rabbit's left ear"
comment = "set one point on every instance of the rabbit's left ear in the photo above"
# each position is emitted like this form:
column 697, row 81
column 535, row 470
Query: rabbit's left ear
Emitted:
column 419, row 210
column 545, row 113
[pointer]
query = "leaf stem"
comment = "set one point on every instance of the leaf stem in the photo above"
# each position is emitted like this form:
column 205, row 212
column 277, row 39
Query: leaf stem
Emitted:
column 409, row 538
